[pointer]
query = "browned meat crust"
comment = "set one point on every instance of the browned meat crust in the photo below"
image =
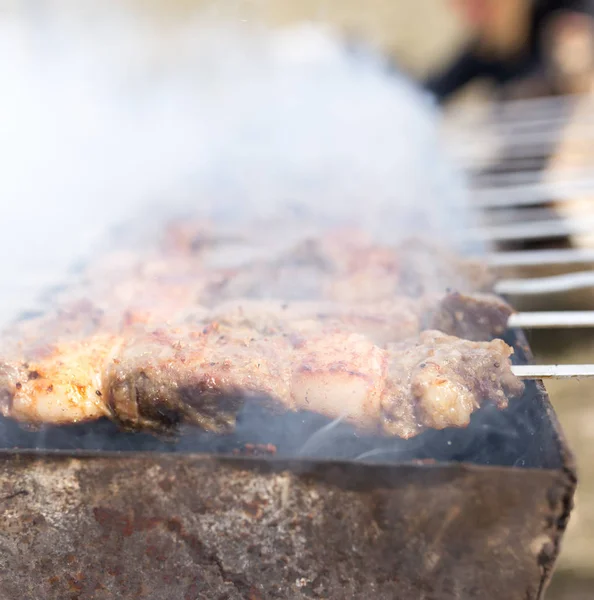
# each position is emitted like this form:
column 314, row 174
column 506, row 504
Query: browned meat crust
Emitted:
column 436, row 381
column 156, row 381
column 472, row 317
column 447, row 379
column 330, row 327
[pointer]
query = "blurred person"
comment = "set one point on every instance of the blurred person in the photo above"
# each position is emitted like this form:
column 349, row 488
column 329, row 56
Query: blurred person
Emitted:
column 523, row 47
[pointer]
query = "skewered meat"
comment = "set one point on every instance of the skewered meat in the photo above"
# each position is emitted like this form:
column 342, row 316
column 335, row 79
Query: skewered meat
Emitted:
column 478, row 317
column 159, row 380
column 472, row 317
column 168, row 338
column 447, row 378
column 59, row 385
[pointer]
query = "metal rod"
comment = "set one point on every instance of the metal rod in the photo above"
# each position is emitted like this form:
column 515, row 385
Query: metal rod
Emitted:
column 469, row 152
column 508, row 139
column 531, row 194
column 522, row 109
column 552, row 319
column 512, row 123
column 551, row 228
column 546, row 285
column 486, row 123
column 534, row 258
column 553, row 371
column 476, row 165
column 508, row 178
column 510, row 215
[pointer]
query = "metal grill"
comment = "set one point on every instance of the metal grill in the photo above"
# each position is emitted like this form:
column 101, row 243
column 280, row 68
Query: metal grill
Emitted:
column 469, row 513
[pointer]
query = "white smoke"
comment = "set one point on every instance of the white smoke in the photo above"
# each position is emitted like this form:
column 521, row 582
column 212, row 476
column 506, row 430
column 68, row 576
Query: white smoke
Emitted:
column 109, row 119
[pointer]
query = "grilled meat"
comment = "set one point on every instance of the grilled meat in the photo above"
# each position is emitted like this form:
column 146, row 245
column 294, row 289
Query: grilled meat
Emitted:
column 447, row 379
column 60, row 384
column 472, row 317
column 169, row 338
column 159, row 380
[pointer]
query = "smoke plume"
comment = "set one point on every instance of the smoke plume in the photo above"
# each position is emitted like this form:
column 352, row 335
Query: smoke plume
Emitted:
column 110, row 119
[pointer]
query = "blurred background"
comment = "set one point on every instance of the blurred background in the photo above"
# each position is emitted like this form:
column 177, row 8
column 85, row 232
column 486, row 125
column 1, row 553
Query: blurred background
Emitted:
column 421, row 40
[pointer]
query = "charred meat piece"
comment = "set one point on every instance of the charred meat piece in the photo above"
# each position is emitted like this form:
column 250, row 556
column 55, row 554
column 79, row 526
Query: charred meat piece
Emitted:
column 160, row 380
column 445, row 379
column 472, row 317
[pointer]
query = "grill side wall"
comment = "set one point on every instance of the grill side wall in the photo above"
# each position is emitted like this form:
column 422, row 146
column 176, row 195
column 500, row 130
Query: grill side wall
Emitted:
column 158, row 526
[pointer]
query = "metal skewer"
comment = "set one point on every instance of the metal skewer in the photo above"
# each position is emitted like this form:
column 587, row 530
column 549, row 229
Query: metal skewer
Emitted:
column 519, row 116
column 553, row 371
column 532, row 194
column 524, row 109
column 534, row 230
column 546, row 285
column 515, row 138
column 534, row 258
column 506, row 179
column 552, row 320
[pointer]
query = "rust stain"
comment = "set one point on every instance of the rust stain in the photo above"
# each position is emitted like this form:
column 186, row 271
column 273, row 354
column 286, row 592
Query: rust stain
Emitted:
column 254, row 594
column 166, row 484
column 117, row 522
column 192, row 593
column 255, row 450
column 113, row 521
column 115, row 571
column 255, row 507
column 75, row 582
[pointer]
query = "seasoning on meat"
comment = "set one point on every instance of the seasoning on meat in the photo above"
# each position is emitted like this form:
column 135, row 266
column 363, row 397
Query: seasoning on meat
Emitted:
column 334, row 328
column 159, row 380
